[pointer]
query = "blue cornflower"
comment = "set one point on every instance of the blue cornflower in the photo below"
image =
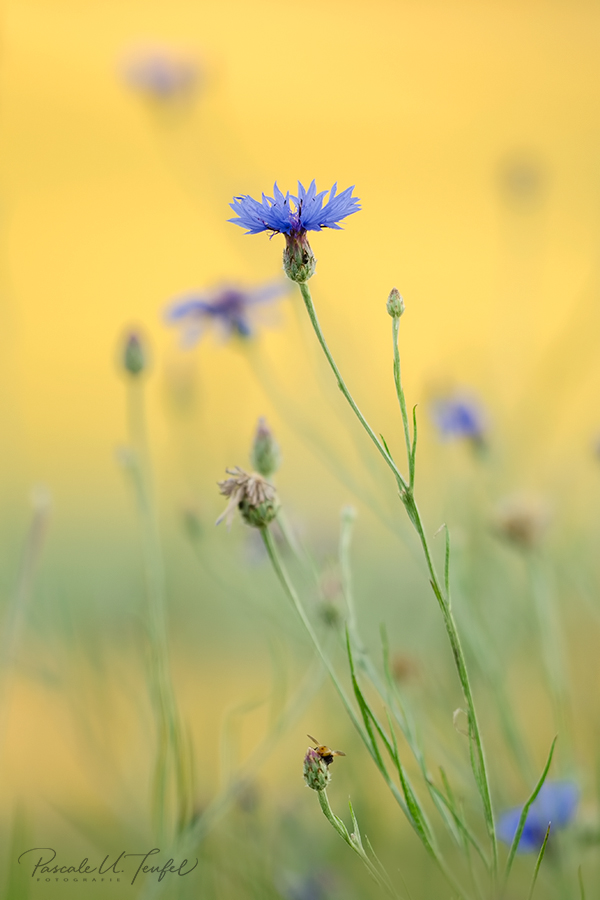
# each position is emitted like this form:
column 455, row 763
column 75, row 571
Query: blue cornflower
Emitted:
column 461, row 417
column 555, row 804
column 293, row 215
column 230, row 308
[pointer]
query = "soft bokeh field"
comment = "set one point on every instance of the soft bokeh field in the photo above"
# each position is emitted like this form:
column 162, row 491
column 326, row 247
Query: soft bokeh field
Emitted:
column 472, row 134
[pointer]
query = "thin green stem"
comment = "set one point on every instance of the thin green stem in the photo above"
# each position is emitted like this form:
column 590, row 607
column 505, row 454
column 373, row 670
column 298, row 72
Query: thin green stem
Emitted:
column 406, row 494
column 402, row 402
column 172, row 754
column 368, row 739
column 14, row 618
column 354, row 841
column 292, row 594
column 305, row 291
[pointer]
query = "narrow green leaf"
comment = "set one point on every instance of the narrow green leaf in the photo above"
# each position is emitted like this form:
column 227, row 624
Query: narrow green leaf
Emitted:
column 414, row 446
column 462, row 826
column 387, row 449
column 539, row 862
column 579, row 878
column 364, row 707
column 523, row 817
column 355, row 827
column 447, row 566
column 418, row 815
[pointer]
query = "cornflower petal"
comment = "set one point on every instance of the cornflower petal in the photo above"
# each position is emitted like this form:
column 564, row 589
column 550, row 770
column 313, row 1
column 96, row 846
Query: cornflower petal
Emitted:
column 309, row 212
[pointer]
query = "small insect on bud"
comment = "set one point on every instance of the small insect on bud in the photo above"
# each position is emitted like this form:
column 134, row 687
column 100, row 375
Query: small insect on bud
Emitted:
column 316, row 764
column 265, row 455
column 395, row 304
column 316, row 771
column 135, row 357
column 299, row 261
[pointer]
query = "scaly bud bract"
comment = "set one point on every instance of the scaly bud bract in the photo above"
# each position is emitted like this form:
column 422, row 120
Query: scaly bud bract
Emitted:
column 316, row 771
column 395, row 304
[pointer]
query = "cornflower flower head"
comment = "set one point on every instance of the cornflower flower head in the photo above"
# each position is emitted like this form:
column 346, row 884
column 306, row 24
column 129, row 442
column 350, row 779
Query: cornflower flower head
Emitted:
column 233, row 310
column 161, row 73
column 293, row 215
column 252, row 494
column 459, row 416
column 555, row 805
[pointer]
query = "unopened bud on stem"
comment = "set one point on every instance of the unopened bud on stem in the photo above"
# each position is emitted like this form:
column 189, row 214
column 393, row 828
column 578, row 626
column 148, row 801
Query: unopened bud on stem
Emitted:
column 395, row 304
column 316, row 771
column 135, row 357
column 265, row 455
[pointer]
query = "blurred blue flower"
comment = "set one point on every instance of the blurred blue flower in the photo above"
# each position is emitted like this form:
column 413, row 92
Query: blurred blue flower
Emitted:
column 460, row 417
column 161, row 73
column 231, row 309
column 555, row 804
column 294, row 214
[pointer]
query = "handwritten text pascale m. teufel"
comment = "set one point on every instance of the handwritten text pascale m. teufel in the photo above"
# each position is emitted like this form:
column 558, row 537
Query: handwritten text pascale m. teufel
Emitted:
column 43, row 861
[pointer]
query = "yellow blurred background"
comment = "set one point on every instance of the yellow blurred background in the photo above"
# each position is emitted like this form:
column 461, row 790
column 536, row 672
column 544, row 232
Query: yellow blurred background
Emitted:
column 471, row 132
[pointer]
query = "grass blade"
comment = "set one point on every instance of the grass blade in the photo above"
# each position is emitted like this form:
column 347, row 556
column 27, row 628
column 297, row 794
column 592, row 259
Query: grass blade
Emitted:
column 523, row 817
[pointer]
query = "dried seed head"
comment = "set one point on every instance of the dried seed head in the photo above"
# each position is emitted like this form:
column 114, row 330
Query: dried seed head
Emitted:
column 522, row 522
column 252, row 494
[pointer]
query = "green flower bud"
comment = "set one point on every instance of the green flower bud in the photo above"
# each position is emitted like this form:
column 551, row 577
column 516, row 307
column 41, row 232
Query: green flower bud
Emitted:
column 298, row 259
column 395, row 304
column 135, row 358
column 316, row 771
column 265, row 456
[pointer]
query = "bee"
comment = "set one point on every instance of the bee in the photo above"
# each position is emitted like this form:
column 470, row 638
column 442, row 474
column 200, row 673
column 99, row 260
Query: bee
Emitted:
column 324, row 752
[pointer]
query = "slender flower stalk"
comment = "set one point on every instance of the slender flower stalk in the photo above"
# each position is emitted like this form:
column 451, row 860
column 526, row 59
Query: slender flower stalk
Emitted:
column 440, row 591
column 173, row 768
column 306, row 296
column 14, row 617
column 366, row 734
column 354, row 840
column 278, row 215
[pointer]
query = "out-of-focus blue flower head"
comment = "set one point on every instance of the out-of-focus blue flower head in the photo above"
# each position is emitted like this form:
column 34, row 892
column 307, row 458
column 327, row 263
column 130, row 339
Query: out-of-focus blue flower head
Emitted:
column 161, row 72
column 294, row 213
column 231, row 309
column 459, row 416
column 555, row 804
